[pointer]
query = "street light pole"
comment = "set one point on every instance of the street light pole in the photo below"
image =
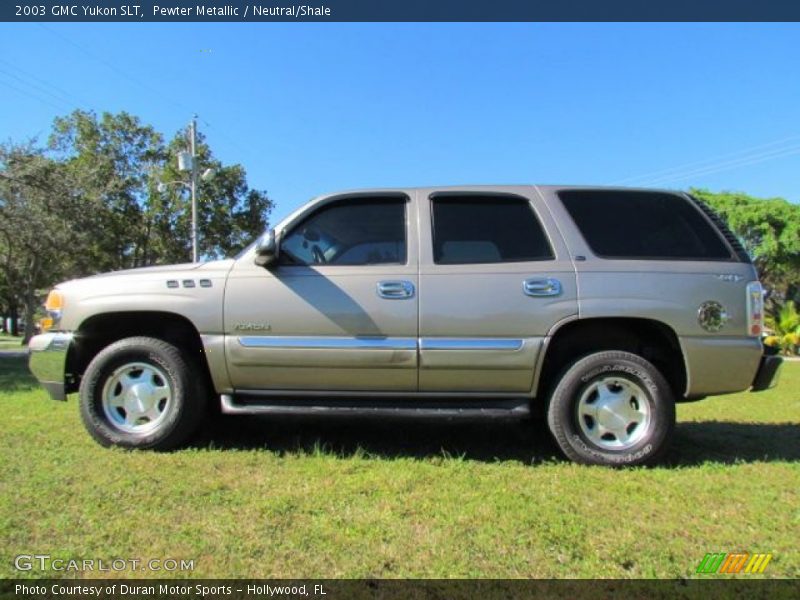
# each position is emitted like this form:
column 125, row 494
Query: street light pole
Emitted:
column 187, row 161
column 193, row 144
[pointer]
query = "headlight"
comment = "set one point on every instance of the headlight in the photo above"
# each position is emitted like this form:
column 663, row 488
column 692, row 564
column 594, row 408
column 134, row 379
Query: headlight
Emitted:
column 54, row 305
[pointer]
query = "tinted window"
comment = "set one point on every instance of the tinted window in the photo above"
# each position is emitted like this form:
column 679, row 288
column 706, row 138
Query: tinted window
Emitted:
column 364, row 231
column 486, row 229
column 619, row 224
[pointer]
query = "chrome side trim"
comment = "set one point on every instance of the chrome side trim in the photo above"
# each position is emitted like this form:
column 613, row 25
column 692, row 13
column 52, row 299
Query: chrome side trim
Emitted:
column 331, row 343
column 387, row 343
column 479, row 344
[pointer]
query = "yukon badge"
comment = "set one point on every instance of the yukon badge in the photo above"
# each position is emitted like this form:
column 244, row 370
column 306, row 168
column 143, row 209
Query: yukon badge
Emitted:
column 732, row 277
column 252, row 326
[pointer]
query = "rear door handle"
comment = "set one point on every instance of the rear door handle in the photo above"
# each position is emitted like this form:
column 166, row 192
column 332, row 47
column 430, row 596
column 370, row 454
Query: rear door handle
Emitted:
column 541, row 286
column 395, row 290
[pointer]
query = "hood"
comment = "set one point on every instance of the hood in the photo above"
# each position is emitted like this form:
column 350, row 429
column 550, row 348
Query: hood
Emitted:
column 146, row 270
column 216, row 265
column 174, row 289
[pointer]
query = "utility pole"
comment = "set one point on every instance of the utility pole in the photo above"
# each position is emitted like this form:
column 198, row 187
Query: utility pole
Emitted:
column 187, row 161
column 193, row 149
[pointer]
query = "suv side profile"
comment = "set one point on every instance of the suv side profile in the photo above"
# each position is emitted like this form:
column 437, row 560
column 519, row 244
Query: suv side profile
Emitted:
column 605, row 306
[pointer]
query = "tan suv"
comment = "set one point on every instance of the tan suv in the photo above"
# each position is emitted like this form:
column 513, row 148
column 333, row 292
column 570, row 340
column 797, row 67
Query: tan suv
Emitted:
column 607, row 306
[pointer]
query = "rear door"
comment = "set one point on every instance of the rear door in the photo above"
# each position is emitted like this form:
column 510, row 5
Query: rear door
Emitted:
column 495, row 277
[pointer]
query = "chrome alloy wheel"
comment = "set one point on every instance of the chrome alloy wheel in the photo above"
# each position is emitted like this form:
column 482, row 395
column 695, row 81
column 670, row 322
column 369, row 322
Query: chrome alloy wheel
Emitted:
column 614, row 413
column 137, row 397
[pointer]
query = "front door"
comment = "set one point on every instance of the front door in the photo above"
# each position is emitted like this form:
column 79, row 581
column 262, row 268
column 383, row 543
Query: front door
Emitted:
column 495, row 277
column 339, row 310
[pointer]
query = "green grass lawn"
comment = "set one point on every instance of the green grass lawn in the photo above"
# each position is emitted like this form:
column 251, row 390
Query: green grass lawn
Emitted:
column 368, row 498
column 8, row 342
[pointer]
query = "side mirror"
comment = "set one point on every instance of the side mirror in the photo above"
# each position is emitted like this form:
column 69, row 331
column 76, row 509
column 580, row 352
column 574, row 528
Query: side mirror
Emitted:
column 266, row 249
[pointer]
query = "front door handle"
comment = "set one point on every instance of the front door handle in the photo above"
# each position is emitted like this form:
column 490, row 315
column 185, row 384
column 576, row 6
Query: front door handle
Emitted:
column 395, row 290
column 541, row 286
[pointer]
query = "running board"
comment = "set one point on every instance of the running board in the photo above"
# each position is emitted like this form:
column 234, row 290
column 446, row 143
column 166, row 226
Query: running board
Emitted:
column 426, row 407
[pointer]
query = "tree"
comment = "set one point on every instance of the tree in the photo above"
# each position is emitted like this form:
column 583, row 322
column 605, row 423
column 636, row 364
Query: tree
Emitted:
column 770, row 231
column 230, row 214
column 44, row 227
column 785, row 328
column 90, row 203
column 119, row 161
column 9, row 309
column 112, row 158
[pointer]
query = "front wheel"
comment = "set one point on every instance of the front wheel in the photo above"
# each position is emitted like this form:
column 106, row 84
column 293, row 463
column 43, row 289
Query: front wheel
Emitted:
column 141, row 393
column 612, row 408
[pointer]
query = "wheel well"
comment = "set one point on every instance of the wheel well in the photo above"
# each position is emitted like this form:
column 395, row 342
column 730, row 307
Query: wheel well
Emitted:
column 98, row 331
column 652, row 340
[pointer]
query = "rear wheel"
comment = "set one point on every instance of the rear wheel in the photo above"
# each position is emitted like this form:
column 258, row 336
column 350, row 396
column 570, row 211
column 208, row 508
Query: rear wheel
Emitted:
column 612, row 408
column 141, row 393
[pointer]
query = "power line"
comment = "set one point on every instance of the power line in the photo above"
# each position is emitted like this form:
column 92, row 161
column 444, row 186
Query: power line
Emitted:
column 41, row 83
column 231, row 141
column 31, row 95
column 706, row 163
column 726, row 165
column 37, row 88
column 146, row 87
column 114, row 68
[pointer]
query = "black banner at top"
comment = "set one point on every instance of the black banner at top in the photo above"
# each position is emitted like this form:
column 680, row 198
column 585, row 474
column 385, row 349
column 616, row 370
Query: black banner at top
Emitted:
column 140, row 11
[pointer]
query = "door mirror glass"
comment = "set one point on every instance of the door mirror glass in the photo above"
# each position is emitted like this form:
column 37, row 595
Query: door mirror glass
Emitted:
column 266, row 249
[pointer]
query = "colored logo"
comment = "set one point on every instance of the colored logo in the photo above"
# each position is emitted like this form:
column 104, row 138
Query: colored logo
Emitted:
column 733, row 562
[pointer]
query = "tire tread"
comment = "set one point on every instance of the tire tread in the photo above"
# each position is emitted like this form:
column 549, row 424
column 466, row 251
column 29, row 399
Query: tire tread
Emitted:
column 557, row 415
column 188, row 381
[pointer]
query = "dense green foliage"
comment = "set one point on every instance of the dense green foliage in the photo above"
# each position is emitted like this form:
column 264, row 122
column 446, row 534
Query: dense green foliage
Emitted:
column 283, row 497
column 770, row 231
column 89, row 202
column 785, row 327
column 120, row 161
column 42, row 217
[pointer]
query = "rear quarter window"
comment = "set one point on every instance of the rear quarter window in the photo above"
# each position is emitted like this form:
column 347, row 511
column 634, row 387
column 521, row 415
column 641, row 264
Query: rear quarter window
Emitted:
column 643, row 225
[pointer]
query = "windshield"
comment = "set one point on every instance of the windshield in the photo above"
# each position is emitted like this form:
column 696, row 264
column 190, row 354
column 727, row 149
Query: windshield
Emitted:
column 246, row 249
column 285, row 219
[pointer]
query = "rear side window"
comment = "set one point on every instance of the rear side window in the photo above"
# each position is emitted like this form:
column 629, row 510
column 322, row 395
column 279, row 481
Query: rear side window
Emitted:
column 486, row 229
column 643, row 225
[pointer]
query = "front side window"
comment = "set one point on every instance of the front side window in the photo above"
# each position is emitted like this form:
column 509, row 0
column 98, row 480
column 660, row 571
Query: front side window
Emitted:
column 362, row 231
column 643, row 225
column 472, row 229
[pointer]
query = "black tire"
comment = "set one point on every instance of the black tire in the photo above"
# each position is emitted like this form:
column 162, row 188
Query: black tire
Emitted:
column 180, row 413
column 618, row 374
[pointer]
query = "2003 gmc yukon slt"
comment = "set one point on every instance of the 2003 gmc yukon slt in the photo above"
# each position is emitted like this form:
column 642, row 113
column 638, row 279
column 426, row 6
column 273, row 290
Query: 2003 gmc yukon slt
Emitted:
column 607, row 306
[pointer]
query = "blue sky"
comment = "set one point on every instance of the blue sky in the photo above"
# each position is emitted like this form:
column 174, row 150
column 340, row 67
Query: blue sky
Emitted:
column 314, row 108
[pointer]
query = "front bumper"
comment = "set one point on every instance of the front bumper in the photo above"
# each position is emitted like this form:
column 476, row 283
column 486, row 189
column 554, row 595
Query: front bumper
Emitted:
column 767, row 374
column 48, row 357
